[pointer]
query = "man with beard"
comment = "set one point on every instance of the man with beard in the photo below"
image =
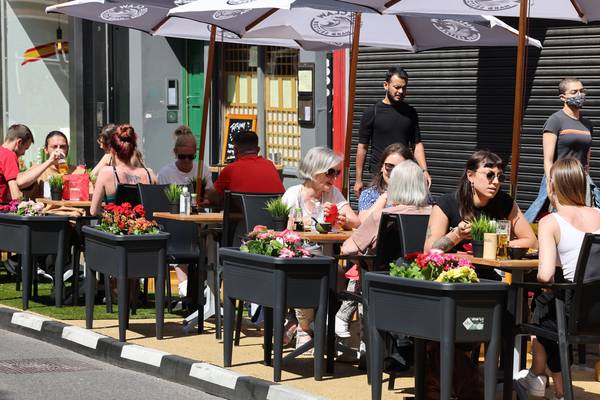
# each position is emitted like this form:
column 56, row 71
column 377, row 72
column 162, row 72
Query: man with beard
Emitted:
column 389, row 121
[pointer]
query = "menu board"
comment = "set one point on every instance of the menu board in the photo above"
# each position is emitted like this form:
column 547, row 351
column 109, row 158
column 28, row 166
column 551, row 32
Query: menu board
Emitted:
column 235, row 123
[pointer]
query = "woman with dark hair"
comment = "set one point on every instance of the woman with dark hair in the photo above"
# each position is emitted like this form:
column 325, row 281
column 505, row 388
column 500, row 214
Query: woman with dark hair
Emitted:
column 374, row 197
column 123, row 146
column 478, row 193
column 55, row 141
column 103, row 141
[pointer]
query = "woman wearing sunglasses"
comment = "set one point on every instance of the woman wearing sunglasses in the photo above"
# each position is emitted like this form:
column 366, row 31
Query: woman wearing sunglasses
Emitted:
column 478, row 193
column 374, row 197
column 319, row 169
column 184, row 169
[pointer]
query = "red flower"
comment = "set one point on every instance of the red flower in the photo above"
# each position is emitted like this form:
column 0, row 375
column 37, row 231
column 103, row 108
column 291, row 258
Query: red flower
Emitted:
column 139, row 210
column 411, row 256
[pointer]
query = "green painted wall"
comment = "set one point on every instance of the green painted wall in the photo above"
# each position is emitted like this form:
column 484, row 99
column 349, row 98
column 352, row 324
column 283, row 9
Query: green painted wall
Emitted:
column 193, row 85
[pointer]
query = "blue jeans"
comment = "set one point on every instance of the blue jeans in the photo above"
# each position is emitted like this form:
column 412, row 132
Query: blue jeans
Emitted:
column 538, row 204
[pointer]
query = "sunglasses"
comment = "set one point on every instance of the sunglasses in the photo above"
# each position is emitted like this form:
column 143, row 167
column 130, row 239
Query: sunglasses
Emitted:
column 332, row 172
column 186, row 156
column 490, row 175
column 388, row 167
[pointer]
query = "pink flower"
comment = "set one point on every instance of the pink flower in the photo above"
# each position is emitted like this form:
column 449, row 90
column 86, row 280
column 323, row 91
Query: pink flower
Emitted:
column 291, row 237
column 286, row 253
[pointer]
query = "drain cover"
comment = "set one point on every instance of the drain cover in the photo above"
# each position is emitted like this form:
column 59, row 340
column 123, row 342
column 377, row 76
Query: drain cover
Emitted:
column 42, row 365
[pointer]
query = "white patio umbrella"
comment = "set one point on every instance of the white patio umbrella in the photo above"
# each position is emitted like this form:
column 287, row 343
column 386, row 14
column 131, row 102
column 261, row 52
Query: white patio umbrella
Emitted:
column 334, row 29
column 574, row 10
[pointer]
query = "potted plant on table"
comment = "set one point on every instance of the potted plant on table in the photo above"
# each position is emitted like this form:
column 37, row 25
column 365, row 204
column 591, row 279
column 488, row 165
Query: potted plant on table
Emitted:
column 480, row 226
column 173, row 193
column 283, row 274
column 125, row 245
column 434, row 296
column 56, row 187
column 279, row 212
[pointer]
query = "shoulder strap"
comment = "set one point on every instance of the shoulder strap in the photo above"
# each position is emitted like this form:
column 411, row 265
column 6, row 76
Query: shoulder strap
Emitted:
column 115, row 174
column 149, row 176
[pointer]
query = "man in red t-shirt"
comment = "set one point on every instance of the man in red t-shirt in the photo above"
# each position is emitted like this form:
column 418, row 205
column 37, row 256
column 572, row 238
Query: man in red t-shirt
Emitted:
column 16, row 142
column 249, row 173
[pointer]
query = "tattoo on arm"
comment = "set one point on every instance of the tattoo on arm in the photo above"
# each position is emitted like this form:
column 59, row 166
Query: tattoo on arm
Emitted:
column 444, row 243
column 428, row 234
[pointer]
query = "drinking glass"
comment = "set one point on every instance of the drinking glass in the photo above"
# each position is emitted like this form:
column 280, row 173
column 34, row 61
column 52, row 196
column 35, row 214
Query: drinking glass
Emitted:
column 63, row 167
column 503, row 233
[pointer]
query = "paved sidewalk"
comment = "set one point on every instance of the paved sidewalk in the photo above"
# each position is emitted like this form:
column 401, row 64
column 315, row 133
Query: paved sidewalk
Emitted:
column 347, row 383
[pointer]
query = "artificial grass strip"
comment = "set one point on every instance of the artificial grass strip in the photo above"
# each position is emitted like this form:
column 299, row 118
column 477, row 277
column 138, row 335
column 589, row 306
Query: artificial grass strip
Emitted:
column 44, row 304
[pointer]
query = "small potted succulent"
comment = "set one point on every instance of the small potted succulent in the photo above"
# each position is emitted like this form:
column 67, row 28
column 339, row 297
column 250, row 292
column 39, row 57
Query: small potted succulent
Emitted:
column 56, row 187
column 480, row 226
column 173, row 192
column 279, row 212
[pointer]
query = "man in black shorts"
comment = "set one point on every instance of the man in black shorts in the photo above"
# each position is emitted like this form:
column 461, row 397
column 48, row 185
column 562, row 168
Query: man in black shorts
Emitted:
column 389, row 121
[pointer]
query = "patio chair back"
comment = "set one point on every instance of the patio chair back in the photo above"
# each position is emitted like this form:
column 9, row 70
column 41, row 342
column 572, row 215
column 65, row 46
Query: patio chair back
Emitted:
column 127, row 192
column 153, row 198
column 399, row 234
column 585, row 306
column 242, row 212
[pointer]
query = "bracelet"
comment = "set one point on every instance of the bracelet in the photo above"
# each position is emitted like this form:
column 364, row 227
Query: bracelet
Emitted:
column 425, row 171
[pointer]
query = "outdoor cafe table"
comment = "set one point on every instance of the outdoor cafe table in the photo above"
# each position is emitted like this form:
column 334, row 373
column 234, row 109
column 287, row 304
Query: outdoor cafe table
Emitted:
column 77, row 237
column 209, row 242
column 516, row 306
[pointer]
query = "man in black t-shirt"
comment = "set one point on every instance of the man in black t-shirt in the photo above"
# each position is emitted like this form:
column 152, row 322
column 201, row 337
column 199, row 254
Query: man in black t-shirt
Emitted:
column 389, row 121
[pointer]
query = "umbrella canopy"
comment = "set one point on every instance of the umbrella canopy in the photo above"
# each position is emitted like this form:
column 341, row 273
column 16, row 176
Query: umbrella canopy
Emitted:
column 326, row 29
column 574, row 10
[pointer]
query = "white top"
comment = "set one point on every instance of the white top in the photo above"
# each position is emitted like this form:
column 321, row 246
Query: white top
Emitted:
column 171, row 174
column 293, row 198
column 569, row 246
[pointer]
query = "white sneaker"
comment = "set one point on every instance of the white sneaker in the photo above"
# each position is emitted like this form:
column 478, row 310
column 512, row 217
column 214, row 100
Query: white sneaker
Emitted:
column 535, row 385
column 341, row 328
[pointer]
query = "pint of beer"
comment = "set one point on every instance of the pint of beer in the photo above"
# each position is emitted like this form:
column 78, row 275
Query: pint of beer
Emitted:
column 503, row 237
column 63, row 167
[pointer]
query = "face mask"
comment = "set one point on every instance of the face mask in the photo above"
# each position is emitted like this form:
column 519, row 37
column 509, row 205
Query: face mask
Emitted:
column 576, row 101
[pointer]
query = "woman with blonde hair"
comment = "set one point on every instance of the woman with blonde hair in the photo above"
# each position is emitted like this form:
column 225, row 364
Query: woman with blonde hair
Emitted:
column 560, row 235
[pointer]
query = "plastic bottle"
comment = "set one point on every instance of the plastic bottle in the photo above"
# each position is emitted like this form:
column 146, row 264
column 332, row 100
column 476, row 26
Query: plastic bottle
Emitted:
column 185, row 201
column 317, row 214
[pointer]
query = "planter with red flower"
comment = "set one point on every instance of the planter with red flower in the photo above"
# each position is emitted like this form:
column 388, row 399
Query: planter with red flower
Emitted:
column 125, row 245
column 274, row 270
column 434, row 296
column 25, row 230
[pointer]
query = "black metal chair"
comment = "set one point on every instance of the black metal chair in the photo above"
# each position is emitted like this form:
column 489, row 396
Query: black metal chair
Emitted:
column 241, row 213
column 182, row 246
column 398, row 235
column 579, row 301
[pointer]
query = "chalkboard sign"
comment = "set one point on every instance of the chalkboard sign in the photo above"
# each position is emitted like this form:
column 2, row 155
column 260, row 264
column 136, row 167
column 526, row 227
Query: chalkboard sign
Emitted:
column 235, row 123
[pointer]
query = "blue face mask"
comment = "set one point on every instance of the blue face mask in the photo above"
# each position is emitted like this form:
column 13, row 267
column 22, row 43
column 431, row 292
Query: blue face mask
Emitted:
column 576, row 101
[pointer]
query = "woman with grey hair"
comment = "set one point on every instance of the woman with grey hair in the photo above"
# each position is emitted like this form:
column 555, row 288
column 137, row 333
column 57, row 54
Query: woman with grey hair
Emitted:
column 407, row 193
column 319, row 169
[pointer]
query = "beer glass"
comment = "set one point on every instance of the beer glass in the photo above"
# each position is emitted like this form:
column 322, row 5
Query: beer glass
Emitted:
column 503, row 234
column 63, row 167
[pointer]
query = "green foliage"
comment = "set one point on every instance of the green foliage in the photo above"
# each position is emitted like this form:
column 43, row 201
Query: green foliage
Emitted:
column 267, row 248
column 56, row 182
column 92, row 177
column 173, row 191
column 277, row 208
column 481, row 225
column 411, row 271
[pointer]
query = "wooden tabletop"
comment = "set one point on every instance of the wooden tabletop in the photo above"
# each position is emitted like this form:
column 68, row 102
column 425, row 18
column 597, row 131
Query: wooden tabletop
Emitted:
column 65, row 203
column 503, row 264
column 200, row 218
column 332, row 237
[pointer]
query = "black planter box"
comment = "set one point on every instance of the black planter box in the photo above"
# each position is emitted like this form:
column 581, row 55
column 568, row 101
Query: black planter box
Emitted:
column 36, row 235
column 125, row 257
column 446, row 312
column 276, row 284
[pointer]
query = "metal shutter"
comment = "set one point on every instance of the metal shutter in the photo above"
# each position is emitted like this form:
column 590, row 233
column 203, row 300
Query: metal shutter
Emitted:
column 465, row 98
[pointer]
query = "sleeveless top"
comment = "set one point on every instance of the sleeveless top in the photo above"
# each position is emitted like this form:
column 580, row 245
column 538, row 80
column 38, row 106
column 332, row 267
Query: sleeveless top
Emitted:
column 569, row 246
column 110, row 198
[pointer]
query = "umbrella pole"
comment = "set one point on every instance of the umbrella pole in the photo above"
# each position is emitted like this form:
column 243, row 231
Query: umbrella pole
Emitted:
column 207, row 87
column 351, row 95
column 519, row 92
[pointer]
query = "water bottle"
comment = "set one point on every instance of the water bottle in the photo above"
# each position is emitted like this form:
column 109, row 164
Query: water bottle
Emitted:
column 185, row 201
